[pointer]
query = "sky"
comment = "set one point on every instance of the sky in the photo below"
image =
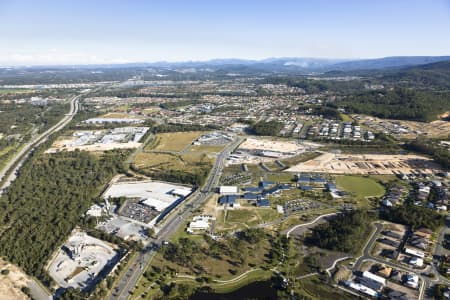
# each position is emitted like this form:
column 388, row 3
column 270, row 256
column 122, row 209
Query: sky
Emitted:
column 52, row 32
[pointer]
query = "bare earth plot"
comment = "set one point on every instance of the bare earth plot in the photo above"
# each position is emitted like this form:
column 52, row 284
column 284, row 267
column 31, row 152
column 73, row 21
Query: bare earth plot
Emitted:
column 11, row 283
column 257, row 150
column 367, row 164
column 408, row 129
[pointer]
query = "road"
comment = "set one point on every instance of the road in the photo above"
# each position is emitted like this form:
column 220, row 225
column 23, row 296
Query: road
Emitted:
column 171, row 224
column 9, row 172
column 425, row 280
column 309, row 223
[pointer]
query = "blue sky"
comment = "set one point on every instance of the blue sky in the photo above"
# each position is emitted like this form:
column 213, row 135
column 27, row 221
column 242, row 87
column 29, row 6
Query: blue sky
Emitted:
column 113, row 31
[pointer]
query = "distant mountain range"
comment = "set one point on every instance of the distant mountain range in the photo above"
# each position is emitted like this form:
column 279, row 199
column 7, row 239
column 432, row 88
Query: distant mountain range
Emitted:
column 287, row 64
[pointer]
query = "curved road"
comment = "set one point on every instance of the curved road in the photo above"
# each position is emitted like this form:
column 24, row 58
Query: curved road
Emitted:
column 171, row 224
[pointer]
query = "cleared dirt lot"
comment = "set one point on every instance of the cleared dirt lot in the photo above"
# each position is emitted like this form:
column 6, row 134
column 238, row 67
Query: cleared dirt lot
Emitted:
column 11, row 284
column 367, row 164
column 272, row 145
column 435, row 129
column 94, row 148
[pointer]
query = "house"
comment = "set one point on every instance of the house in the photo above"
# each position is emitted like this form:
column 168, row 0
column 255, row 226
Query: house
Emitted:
column 396, row 276
column 392, row 234
column 424, row 232
column 412, row 280
column 372, row 281
column 384, row 271
column 263, row 203
column 392, row 254
column 414, row 252
column 362, row 289
column 397, row 295
column 416, row 262
column 389, row 242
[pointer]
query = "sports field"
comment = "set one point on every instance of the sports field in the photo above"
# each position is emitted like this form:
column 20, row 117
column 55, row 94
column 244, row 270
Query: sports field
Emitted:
column 359, row 186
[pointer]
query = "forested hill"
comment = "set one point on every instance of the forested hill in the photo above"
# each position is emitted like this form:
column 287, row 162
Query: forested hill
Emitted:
column 419, row 93
column 435, row 75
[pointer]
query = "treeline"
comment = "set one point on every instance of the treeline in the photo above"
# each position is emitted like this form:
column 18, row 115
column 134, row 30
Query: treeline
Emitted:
column 414, row 216
column 161, row 128
column 196, row 176
column 18, row 118
column 439, row 153
column 344, row 232
column 271, row 128
column 46, row 201
column 399, row 103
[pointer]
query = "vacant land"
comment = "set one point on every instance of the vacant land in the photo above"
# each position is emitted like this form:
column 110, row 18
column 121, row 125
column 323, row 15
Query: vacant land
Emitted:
column 11, row 283
column 243, row 218
column 271, row 144
column 367, row 164
column 410, row 129
column 314, row 288
column 190, row 168
column 360, row 187
column 174, row 141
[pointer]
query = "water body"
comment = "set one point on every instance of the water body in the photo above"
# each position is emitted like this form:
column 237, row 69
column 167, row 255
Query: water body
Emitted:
column 259, row 290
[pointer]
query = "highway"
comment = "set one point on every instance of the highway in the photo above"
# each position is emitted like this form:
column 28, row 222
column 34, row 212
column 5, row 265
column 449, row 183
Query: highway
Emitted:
column 171, row 224
column 9, row 172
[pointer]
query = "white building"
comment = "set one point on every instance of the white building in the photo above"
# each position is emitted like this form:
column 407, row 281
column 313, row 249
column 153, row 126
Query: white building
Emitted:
column 361, row 288
column 417, row 262
column 414, row 252
column 228, row 190
column 412, row 280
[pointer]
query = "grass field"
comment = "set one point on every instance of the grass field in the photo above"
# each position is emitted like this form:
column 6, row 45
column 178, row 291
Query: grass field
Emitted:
column 207, row 148
column 245, row 217
column 15, row 91
column 175, row 141
column 346, row 118
column 165, row 161
column 359, row 186
column 314, row 288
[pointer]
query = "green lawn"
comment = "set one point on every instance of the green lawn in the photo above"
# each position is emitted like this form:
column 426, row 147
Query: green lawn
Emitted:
column 359, row 186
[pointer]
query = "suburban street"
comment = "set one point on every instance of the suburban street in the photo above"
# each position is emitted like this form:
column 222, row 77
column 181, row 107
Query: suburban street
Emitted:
column 171, row 224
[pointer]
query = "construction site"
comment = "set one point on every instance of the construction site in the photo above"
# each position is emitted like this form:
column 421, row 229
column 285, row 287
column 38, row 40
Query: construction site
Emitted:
column 369, row 164
column 258, row 150
column 81, row 260
column 100, row 140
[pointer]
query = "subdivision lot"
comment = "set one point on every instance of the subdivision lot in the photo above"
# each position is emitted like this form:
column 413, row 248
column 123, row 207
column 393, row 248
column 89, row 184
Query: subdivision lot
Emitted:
column 367, row 164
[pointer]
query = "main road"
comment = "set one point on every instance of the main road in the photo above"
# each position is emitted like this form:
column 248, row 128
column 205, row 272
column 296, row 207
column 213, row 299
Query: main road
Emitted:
column 172, row 222
column 9, row 172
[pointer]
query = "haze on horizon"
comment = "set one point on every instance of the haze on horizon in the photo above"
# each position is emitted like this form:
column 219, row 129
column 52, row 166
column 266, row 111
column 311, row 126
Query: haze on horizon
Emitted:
column 51, row 32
